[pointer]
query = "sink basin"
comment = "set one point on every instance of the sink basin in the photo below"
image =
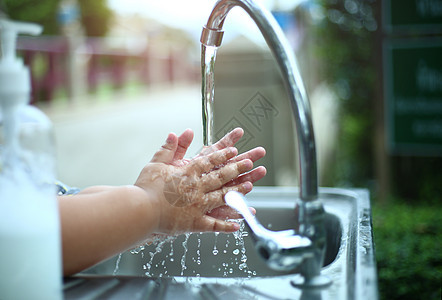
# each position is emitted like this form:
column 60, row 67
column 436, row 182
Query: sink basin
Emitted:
column 213, row 262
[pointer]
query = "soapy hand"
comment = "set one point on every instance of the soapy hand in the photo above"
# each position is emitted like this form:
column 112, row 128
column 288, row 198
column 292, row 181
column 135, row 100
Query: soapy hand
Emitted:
column 229, row 140
column 190, row 193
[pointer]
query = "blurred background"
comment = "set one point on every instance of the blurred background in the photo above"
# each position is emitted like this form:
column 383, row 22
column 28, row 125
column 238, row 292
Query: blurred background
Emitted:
column 116, row 76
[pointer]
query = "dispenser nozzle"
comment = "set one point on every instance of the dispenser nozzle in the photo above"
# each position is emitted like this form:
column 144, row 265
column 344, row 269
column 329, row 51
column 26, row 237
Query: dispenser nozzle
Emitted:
column 8, row 33
column 15, row 82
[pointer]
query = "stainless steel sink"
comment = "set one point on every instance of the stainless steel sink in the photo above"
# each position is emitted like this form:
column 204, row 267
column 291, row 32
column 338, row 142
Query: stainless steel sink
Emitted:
column 349, row 258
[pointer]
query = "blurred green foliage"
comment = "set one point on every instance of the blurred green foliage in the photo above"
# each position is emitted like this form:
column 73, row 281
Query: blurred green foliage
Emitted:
column 407, row 230
column 95, row 15
column 41, row 12
column 418, row 179
column 346, row 36
column 408, row 250
column 348, row 50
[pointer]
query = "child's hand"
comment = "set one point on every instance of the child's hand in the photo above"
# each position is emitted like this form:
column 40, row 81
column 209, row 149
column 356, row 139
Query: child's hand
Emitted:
column 190, row 192
column 229, row 140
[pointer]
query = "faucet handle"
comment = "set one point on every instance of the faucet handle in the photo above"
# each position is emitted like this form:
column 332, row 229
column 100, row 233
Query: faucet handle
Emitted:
column 238, row 202
column 281, row 250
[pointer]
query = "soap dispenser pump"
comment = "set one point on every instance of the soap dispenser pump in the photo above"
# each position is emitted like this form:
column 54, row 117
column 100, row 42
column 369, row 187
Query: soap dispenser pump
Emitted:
column 30, row 241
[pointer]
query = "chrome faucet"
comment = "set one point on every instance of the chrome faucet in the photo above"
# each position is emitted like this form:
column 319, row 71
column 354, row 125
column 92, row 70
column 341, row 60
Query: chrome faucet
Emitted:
column 308, row 255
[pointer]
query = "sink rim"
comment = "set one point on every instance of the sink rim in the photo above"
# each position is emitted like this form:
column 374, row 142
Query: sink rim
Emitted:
column 354, row 269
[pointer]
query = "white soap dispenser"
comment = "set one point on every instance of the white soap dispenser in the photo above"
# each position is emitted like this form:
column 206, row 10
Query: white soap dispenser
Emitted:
column 30, row 240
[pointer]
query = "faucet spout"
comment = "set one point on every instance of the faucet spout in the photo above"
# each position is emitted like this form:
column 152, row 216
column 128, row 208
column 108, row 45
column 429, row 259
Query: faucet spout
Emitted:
column 308, row 245
column 212, row 37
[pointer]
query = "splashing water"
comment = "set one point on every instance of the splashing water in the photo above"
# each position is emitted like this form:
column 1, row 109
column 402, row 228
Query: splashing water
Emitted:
column 215, row 250
column 198, row 252
column 159, row 241
column 117, row 265
column 239, row 242
column 171, row 251
column 137, row 250
column 183, row 258
column 208, row 57
column 160, row 258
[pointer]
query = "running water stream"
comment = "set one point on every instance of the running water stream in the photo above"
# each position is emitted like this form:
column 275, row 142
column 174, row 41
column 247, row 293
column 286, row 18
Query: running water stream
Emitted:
column 208, row 57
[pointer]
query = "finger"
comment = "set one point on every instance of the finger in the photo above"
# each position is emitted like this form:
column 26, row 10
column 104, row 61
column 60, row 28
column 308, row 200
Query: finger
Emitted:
column 254, row 154
column 252, row 176
column 208, row 162
column 167, row 151
column 229, row 140
column 216, row 198
column 216, row 179
column 184, row 141
column 209, row 223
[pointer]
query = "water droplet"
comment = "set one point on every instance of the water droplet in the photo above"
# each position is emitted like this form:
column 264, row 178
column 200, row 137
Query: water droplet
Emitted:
column 183, row 258
column 117, row 264
column 236, row 251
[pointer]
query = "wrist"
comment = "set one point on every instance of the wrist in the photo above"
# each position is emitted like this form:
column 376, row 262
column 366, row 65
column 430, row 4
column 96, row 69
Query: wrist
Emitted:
column 147, row 202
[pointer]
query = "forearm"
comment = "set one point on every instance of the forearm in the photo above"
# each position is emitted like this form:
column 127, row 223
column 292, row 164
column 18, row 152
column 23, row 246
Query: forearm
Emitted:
column 101, row 222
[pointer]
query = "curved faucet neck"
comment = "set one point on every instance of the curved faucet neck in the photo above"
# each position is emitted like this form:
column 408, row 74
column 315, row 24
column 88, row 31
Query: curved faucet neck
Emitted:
column 284, row 55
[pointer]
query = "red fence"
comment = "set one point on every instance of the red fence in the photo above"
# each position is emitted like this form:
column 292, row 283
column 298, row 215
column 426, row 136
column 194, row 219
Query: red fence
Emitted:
column 52, row 60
